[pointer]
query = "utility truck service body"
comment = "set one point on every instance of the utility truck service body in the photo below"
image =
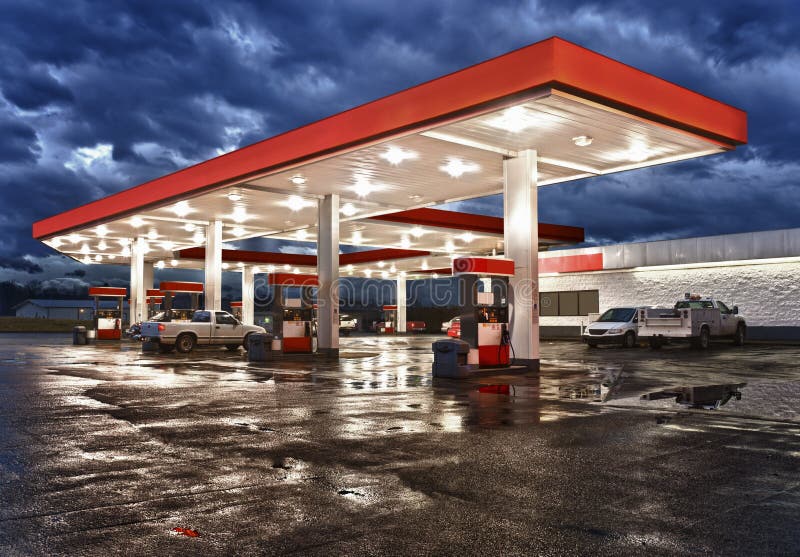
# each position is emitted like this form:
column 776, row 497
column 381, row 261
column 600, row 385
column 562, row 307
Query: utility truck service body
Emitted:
column 694, row 319
column 205, row 328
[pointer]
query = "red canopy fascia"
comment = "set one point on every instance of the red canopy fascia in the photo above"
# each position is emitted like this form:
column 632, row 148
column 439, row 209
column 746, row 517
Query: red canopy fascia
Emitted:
column 299, row 259
column 551, row 63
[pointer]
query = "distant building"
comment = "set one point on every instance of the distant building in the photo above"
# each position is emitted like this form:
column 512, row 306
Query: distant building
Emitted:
column 64, row 309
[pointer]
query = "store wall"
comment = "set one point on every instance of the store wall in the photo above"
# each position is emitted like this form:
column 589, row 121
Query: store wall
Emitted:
column 767, row 294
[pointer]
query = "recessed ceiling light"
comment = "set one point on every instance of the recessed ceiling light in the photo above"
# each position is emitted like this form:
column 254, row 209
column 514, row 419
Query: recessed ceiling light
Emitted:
column 270, row 268
column 102, row 246
column 256, row 270
column 198, row 237
column 239, row 214
column 417, row 231
column 98, row 257
column 101, row 230
column 385, row 274
column 136, row 222
column 301, row 234
column 414, row 197
column 181, row 208
column 425, row 265
column 124, row 242
column 368, row 273
column 405, row 242
column 238, row 231
column 514, row 119
column 298, row 180
column 167, row 245
column 287, row 267
column 55, row 242
column 449, row 246
column 363, row 187
column 381, row 264
column 74, row 238
column 348, row 210
column 160, row 265
column 350, row 267
column 111, row 256
column 296, row 271
column 638, row 152
column 295, row 203
column 356, row 238
column 85, row 249
column 396, row 155
column 392, row 269
column 240, row 264
column 86, row 260
column 234, row 197
column 582, row 140
column 466, row 237
column 174, row 262
column 225, row 265
column 435, row 275
column 152, row 234
column 126, row 251
column 403, row 274
column 189, row 227
column 456, row 167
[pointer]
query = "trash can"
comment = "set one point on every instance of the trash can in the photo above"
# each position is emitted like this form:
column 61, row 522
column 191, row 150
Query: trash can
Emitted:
column 259, row 347
column 450, row 358
column 79, row 335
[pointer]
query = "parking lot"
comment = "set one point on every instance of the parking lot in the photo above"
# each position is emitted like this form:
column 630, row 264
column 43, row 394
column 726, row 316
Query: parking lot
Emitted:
column 106, row 450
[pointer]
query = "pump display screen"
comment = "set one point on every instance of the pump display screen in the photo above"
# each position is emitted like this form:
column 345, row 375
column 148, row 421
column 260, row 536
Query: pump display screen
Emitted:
column 492, row 315
column 297, row 315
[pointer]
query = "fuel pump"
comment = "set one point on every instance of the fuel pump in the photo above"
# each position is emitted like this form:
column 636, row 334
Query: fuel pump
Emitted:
column 483, row 293
column 295, row 315
column 170, row 289
column 236, row 310
column 389, row 324
column 108, row 321
column 155, row 298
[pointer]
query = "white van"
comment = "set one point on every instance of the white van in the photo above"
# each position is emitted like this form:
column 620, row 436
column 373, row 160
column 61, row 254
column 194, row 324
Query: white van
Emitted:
column 614, row 326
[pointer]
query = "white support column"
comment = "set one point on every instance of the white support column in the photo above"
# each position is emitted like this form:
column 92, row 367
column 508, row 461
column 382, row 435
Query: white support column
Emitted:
column 213, row 268
column 137, row 310
column 520, row 200
column 328, row 273
column 248, row 296
column 400, row 327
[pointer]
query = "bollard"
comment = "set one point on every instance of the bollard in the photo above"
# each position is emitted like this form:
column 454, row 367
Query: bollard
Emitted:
column 259, row 347
column 79, row 335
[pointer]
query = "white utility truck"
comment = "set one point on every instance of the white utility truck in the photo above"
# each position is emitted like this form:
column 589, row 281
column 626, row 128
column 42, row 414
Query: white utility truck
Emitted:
column 347, row 325
column 205, row 328
column 694, row 319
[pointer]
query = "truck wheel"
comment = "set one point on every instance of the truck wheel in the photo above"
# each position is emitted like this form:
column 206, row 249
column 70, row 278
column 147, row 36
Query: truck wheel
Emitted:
column 231, row 347
column 738, row 338
column 165, row 348
column 703, row 341
column 246, row 342
column 185, row 343
column 630, row 340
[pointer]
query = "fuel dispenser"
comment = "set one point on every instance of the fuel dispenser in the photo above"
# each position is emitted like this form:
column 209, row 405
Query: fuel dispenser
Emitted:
column 483, row 292
column 294, row 319
column 236, row 309
column 155, row 298
column 108, row 321
column 170, row 289
column 389, row 323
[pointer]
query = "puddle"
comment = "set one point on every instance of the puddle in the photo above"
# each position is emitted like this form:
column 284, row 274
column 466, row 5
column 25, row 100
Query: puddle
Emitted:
column 708, row 397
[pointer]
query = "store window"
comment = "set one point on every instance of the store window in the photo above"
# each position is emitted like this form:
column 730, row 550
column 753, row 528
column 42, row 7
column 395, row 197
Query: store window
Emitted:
column 582, row 302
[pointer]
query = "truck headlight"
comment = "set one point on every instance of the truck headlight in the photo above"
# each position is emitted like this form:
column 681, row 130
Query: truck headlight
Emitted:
column 614, row 331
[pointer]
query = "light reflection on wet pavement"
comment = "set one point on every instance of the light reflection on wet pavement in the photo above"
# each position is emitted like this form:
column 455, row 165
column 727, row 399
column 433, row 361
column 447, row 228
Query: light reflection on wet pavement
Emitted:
column 604, row 451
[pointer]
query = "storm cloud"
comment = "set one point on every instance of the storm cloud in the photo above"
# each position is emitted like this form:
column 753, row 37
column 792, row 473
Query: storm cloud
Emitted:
column 101, row 96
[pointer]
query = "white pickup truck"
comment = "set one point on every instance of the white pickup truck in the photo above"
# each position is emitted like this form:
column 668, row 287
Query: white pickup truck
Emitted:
column 205, row 328
column 695, row 319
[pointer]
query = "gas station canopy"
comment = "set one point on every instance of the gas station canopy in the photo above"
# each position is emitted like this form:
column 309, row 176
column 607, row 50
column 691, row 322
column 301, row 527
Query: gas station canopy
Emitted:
column 444, row 140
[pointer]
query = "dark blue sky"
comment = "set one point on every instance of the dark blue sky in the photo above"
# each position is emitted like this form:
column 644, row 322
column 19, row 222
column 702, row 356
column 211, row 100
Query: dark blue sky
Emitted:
column 100, row 96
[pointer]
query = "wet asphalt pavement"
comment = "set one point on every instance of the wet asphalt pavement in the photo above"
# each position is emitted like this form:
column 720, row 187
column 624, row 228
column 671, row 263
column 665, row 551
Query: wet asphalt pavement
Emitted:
column 104, row 450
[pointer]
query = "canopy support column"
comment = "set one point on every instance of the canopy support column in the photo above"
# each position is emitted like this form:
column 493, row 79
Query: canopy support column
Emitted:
column 137, row 307
column 328, row 273
column 213, row 268
column 521, row 235
column 400, row 326
column 248, row 295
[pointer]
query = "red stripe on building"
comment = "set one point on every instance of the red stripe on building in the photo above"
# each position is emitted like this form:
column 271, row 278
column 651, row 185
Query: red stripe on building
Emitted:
column 571, row 263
